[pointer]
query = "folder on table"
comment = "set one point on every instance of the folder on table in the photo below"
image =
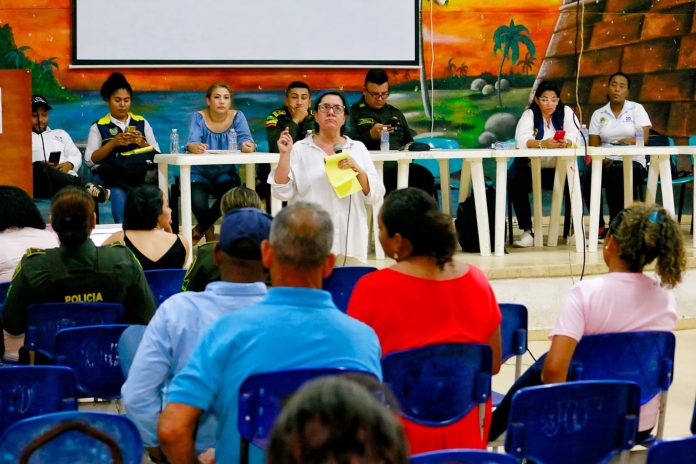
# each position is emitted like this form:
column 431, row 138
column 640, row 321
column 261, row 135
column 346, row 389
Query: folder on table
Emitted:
column 344, row 181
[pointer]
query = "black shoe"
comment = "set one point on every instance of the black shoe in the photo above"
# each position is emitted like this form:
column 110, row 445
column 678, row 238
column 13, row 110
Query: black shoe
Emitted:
column 99, row 193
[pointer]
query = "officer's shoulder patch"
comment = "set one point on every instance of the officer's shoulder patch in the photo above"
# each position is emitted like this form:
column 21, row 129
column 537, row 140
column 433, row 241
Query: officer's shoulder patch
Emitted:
column 279, row 112
column 34, row 252
column 361, row 105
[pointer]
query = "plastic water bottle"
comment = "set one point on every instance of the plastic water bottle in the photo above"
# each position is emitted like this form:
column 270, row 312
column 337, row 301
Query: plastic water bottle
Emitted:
column 174, row 142
column 384, row 139
column 585, row 135
column 232, row 140
column 639, row 137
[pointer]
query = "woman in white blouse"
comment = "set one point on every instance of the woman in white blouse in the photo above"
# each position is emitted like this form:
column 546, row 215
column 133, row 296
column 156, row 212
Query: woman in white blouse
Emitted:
column 537, row 129
column 301, row 176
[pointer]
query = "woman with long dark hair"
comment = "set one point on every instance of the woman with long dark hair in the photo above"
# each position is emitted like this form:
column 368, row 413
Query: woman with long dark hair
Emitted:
column 537, row 128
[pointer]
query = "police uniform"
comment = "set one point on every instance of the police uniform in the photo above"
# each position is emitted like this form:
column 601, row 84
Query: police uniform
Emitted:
column 362, row 118
column 86, row 274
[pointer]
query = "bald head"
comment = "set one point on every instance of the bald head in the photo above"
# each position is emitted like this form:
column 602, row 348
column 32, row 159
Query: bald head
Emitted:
column 301, row 236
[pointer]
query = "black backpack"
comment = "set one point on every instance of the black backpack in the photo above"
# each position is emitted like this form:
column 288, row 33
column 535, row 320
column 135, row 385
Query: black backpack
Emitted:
column 467, row 226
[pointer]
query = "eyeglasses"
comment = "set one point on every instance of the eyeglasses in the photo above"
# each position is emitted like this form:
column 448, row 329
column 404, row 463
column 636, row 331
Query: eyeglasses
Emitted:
column 337, row 109
column 548, row 100
column 378, row 94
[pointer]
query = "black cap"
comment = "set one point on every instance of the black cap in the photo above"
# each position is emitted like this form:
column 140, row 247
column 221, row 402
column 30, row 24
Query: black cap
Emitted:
column 37, row 101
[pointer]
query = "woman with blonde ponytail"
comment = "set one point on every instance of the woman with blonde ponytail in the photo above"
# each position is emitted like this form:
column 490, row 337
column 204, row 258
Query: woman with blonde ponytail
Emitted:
column 623, row 300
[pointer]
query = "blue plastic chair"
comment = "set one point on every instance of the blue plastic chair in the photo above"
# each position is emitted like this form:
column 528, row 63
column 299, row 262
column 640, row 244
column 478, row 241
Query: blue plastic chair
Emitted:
column 693, row 421
column 73, row 445
column 513, row 334
column 261, row 398
column 676, row 451
column 128, row 344
column 44, row 320
column 342, row 281
column 92, row 352
column 441, row 143
column 165, row 282
column 4, row 287
column 440, row 384
column 463, row 456
column 27, row 391
column 574, row 422
column 646, row 358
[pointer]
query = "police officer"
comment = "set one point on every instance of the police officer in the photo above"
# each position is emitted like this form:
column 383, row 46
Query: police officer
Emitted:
column 370, row 115
column 77, row 271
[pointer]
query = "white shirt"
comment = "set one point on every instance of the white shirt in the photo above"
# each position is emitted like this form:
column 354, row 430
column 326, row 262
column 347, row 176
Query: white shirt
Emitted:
column 55, row 140
column 612, row 129
column 94, row 139
column 525, row 131
column 308, row 182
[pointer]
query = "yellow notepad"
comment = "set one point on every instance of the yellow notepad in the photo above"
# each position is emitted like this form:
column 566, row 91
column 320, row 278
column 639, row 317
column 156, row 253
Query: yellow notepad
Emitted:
column 344, row 181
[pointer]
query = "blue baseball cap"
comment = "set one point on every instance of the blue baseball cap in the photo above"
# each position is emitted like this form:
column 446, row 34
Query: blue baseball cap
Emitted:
column 244, row 223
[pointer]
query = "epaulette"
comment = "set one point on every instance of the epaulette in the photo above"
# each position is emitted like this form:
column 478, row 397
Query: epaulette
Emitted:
column 136, row 117
column 34, row 251
column 279, row 112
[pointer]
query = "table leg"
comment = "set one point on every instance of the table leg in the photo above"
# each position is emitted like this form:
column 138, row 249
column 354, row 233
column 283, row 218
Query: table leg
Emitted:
column 445, row 185
column 276, row 204
column 479, row 186
column 653, row 174
column 464, row 181
column 500, row 204
column 163, row 180
column 250, row 175
column 666, row 181
column 186, row 219
column 595, row 197
column 402, row 173
column 572, row 173
column 628, row 180
column 379, row 252
column 556, row 200
column 536, row 198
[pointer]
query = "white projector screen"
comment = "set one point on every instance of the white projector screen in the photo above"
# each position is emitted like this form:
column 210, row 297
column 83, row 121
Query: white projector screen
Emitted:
column 314, row 33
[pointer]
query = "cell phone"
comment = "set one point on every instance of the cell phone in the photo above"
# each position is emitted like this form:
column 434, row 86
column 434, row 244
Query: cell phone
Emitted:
column 54, row 157
column 130, row 129
column 559, row 135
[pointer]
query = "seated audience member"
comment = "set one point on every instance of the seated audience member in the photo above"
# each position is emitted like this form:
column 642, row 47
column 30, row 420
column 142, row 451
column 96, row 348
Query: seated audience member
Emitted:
column 426, row 298
column 615, row 124
column 537, row 129
column 21, row 228
column 624, row 300
column 180, row 321
column 203, row 269
column 77, row 271
column 209, row 130
column 301, row 176
column 370, row 114
column 112, row 143
column 147, row 230
column 296, row 114
column 295, row 326
column 335, row 420
column 52, row 175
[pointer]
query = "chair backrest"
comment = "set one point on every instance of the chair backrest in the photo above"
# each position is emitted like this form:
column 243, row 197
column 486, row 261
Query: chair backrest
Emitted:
column 646, row 358
column 44, row 320
column 92, row 352
column 513, row 330
column 573, row 422
column 128, row 344
column 27, row 391
column 4, row 287
column 342, row 281
column 72, row 446
column 262, row 396
column 463, row 456
column 672, row 451
column 439, row 384
column 164, row 282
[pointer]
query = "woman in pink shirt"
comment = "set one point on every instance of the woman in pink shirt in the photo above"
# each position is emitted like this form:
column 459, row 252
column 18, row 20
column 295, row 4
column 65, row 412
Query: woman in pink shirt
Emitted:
column 624, row 300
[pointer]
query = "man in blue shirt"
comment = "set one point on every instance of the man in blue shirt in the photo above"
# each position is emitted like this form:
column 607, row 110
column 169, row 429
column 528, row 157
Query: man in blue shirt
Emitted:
column 296, row 326
column 180, row 321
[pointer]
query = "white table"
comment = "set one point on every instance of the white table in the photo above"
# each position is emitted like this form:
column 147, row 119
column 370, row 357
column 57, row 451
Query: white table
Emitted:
column 659, row 168
column 566, row 168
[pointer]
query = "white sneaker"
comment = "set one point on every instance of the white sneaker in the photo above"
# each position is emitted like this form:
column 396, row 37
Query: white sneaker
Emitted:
column 525, row 241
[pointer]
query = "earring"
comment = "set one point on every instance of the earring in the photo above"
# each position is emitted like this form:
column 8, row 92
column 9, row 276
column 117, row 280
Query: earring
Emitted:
column 396, row 256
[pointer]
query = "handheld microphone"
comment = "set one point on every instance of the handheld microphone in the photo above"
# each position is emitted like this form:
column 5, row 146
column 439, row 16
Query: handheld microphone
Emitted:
column 338, row 148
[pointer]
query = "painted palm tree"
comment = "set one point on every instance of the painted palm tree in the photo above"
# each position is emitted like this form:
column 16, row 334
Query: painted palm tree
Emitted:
column 463, row 69
column 48, row 64
column 451, row 68
column 527, row 63
column 16, row 57
column 508, row 39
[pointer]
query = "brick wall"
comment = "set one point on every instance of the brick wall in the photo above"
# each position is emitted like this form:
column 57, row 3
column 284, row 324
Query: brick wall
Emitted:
column 653, row 41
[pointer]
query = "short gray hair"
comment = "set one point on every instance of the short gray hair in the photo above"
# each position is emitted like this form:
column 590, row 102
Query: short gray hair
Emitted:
column 302, row 235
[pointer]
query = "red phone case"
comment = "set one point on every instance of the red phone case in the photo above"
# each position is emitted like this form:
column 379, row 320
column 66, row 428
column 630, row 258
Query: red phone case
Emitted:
column 559, row 135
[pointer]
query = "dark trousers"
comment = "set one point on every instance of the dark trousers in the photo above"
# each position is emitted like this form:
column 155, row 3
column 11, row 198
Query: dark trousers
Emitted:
column 48, row 180
column 520, row 184
column 418, row 176
column 200, row 192
column 612, row 182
